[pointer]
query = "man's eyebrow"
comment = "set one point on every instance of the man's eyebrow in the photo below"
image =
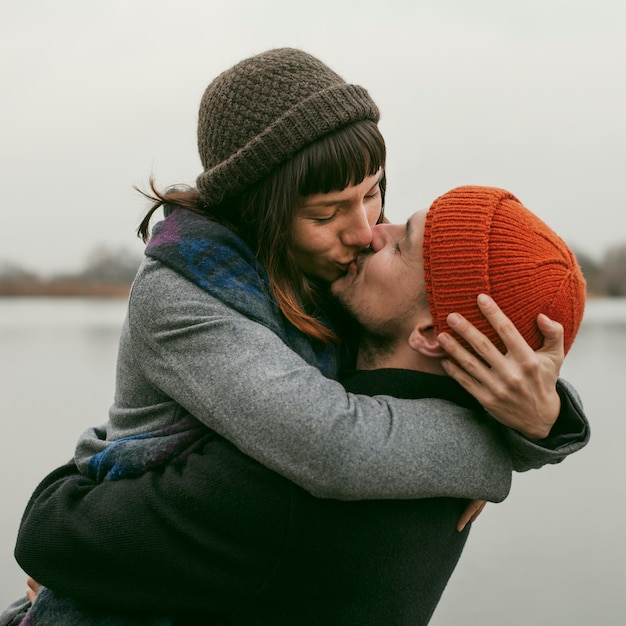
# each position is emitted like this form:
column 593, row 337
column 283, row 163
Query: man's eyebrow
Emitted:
column 407, row 232
column 407, row 235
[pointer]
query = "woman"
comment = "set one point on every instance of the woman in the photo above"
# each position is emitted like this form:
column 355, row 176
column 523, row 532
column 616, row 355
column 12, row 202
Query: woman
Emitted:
column 232, row 336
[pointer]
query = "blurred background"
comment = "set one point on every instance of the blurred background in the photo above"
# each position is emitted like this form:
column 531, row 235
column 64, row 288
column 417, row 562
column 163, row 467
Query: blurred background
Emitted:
column 526, row 95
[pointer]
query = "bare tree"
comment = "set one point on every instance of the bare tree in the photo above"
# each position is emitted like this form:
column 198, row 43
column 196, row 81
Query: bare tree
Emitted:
column 593, row 273
column 11, row 272
column 106, row 265
column 614, row 271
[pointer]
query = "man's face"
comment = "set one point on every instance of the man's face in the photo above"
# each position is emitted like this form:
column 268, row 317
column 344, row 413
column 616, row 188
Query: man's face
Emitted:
column 385, row 286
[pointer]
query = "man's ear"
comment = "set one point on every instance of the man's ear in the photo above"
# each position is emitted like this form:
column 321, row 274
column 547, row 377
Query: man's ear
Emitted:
column 423, row 339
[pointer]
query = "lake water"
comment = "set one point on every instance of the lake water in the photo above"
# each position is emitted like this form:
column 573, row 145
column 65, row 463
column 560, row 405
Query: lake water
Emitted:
column 553, row 553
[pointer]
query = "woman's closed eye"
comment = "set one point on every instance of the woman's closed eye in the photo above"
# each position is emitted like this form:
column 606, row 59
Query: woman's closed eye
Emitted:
column 323, row 220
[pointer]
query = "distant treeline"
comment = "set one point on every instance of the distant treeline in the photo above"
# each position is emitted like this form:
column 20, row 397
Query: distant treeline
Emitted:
column 606, row 277
column 109, row 273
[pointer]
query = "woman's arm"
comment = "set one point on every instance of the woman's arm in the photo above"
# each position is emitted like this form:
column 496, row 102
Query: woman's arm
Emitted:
column 242, row 381
column 569, row 434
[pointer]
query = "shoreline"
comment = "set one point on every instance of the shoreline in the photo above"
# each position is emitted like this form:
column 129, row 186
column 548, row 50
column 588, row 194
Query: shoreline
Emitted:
column 63, row 288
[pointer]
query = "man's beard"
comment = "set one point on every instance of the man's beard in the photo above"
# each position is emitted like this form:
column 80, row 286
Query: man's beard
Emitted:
column 373, row 343
column 374, row 348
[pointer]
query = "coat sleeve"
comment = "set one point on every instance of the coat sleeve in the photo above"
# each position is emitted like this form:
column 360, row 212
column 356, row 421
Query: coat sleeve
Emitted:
column 243, row 382
column 204, row 536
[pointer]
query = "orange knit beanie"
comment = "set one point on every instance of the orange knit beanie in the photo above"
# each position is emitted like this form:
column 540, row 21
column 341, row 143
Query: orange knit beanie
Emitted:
column 483, row 240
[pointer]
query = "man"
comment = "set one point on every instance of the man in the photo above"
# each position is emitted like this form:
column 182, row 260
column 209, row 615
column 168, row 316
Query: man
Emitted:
column 388, row 562
column 473, row 240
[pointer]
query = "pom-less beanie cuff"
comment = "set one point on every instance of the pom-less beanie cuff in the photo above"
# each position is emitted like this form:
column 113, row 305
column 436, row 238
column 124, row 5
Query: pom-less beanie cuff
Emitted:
column 308, row 121
column 483, row 240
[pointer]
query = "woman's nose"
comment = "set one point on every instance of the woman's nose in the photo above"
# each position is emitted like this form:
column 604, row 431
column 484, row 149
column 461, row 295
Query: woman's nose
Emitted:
column 380, row 236
column 359, row 231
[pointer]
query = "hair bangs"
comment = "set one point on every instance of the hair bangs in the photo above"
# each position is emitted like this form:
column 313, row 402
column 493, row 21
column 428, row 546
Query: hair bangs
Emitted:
column 345, row 157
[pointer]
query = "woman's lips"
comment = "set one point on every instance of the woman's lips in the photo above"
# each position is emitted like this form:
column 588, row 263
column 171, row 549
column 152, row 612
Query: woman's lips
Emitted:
column 347, row 267
column 354, row 266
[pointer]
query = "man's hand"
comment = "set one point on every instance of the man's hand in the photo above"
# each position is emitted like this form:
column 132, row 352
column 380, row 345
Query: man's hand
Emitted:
column 471, row 512
column 517, row 388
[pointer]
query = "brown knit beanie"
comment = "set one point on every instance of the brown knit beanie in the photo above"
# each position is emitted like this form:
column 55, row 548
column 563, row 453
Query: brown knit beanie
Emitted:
column 483, row 240
column 260, row 112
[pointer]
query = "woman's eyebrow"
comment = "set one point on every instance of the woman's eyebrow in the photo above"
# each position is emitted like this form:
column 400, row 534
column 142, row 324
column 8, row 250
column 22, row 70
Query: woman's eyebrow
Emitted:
column 335, row 201
column 380, row 177
column 323, row 204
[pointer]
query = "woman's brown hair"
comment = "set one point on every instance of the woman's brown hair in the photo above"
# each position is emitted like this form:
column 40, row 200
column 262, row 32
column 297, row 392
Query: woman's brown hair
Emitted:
column 263, row 215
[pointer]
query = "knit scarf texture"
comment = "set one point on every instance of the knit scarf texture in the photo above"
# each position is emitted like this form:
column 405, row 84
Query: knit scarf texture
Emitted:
column 212, row 257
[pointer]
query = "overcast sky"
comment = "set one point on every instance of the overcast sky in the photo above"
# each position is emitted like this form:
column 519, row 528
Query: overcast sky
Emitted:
column 97, row 95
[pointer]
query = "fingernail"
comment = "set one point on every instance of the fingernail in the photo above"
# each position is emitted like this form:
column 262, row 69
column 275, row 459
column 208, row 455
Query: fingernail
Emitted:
column 546, row 320
column 453, row 319
column 483, row 299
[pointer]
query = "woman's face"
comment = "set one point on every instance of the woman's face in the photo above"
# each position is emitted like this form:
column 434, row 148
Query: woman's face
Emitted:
column 331, row 228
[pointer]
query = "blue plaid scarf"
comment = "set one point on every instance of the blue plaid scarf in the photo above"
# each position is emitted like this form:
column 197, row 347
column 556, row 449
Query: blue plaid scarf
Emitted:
column 212, row 257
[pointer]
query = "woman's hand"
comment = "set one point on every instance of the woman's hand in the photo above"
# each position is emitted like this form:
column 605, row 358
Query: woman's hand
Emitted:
column 517, row 388
column 471, row 512
column 33, row 589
